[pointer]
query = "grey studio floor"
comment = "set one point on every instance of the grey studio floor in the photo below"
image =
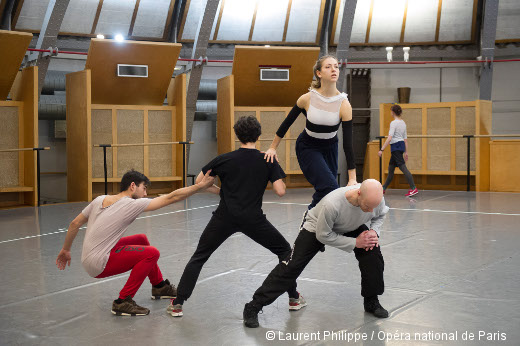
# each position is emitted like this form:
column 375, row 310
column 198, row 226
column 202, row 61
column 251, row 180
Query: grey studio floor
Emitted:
column 451, row 266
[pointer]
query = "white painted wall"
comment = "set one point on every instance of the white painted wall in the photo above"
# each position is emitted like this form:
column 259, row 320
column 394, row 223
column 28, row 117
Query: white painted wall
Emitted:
column 205, row 148
column 53, row 187
column 506, row 98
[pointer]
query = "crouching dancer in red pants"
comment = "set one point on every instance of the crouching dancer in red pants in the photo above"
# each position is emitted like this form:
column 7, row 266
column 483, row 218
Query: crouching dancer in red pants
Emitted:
column 106, row 253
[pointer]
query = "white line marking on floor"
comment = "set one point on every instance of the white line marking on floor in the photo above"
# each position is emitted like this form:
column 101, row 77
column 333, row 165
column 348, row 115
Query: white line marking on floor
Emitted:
column 63, row 230
column 456, row 212
column 65, row 290
column 426, row 210
column 218, row 275
column 103, row 281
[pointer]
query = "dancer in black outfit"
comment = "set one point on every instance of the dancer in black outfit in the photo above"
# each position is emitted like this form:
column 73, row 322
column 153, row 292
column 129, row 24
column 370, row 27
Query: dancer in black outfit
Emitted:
column 244, row 175
column 317, row 146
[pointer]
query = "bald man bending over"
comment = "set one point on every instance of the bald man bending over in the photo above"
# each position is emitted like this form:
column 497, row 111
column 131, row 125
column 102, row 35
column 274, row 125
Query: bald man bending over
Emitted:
column 337, row 220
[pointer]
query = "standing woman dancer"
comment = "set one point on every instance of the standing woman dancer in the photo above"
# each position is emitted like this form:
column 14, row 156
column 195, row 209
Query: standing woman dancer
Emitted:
column 399, row 148
column 317, row 146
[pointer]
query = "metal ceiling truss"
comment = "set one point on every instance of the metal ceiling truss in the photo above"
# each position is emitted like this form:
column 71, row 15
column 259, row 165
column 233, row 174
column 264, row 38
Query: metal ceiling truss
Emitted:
column 342, row 49
column 195, row 74
column 487, row 47
column 48, row 40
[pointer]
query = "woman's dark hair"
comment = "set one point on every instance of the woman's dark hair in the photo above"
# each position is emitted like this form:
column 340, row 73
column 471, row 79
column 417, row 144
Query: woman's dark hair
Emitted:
column 133, row 177
column 247, row 129
column 397, row 110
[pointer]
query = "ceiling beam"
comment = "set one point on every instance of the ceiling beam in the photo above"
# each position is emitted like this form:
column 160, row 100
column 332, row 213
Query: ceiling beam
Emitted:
column 48, row 37
column 438, row 26
column 253, row 22
column 369, row 23
column 287, row 16
column 175, row 13
column 403, row 27
column 6, row 10
column 200, row 50
column 217, row 27
column 487, row 47
column 96, row 18
column 134, row 16
column 325, row 30
column 16, row 14
column 345, row 32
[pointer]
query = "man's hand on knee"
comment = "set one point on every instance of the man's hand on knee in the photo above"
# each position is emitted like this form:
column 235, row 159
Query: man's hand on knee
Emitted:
column 367, row 240
column 372, row 232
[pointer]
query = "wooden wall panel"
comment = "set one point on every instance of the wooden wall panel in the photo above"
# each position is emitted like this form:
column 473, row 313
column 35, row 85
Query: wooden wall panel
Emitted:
column 270, row 123
column 254, row 92
column 28, row 94
column 443, row 160
column 294, row 165
column 482, row 160
column 130, row 129
column 9, row 199
column 282, row 156
column 225, row 113
column 439, row 149
column 464, row 125
column 13, row 45
column 101, row 124
column 297, row 180
column 435, row 180
column 371, row 163
column 504, row 166
column 294, row 131
column 179, row 125
column 20, row 130
column 462, row 181
column 98, row 189
column 79, row 142
column 158, row 187
column 298, row 126
column 9, row 139
column 413, row 119
column 108, row 88
column 159, row 130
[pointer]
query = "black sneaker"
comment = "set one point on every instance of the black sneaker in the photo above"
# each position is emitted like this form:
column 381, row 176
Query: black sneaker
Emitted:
column 251, row 316
column 372, row 306
column 128, row 308
column 168, row 291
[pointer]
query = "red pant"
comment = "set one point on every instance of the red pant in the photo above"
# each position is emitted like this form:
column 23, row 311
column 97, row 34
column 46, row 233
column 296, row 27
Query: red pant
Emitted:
column 133, row 253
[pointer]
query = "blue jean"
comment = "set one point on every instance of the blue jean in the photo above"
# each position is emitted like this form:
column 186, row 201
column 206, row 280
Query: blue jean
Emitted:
column 318, row 159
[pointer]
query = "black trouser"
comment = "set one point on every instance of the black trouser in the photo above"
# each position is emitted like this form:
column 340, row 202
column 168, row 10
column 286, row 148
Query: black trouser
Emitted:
column 216, row 232
column 397, row 160
column 306, row 246
column 318, row 160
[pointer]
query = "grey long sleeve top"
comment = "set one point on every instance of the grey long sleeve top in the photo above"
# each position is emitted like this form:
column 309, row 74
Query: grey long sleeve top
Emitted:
column 334, row 215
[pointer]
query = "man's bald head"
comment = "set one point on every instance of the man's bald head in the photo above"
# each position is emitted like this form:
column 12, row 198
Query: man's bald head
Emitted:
column 370, row 194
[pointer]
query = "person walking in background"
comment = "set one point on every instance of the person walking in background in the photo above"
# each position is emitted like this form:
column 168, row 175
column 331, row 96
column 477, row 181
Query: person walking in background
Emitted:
column 399, row 149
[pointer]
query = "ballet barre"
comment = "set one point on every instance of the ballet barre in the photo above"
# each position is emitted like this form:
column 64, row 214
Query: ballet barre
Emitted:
column 105, row 146
column 37, row 163
column 468, row 137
